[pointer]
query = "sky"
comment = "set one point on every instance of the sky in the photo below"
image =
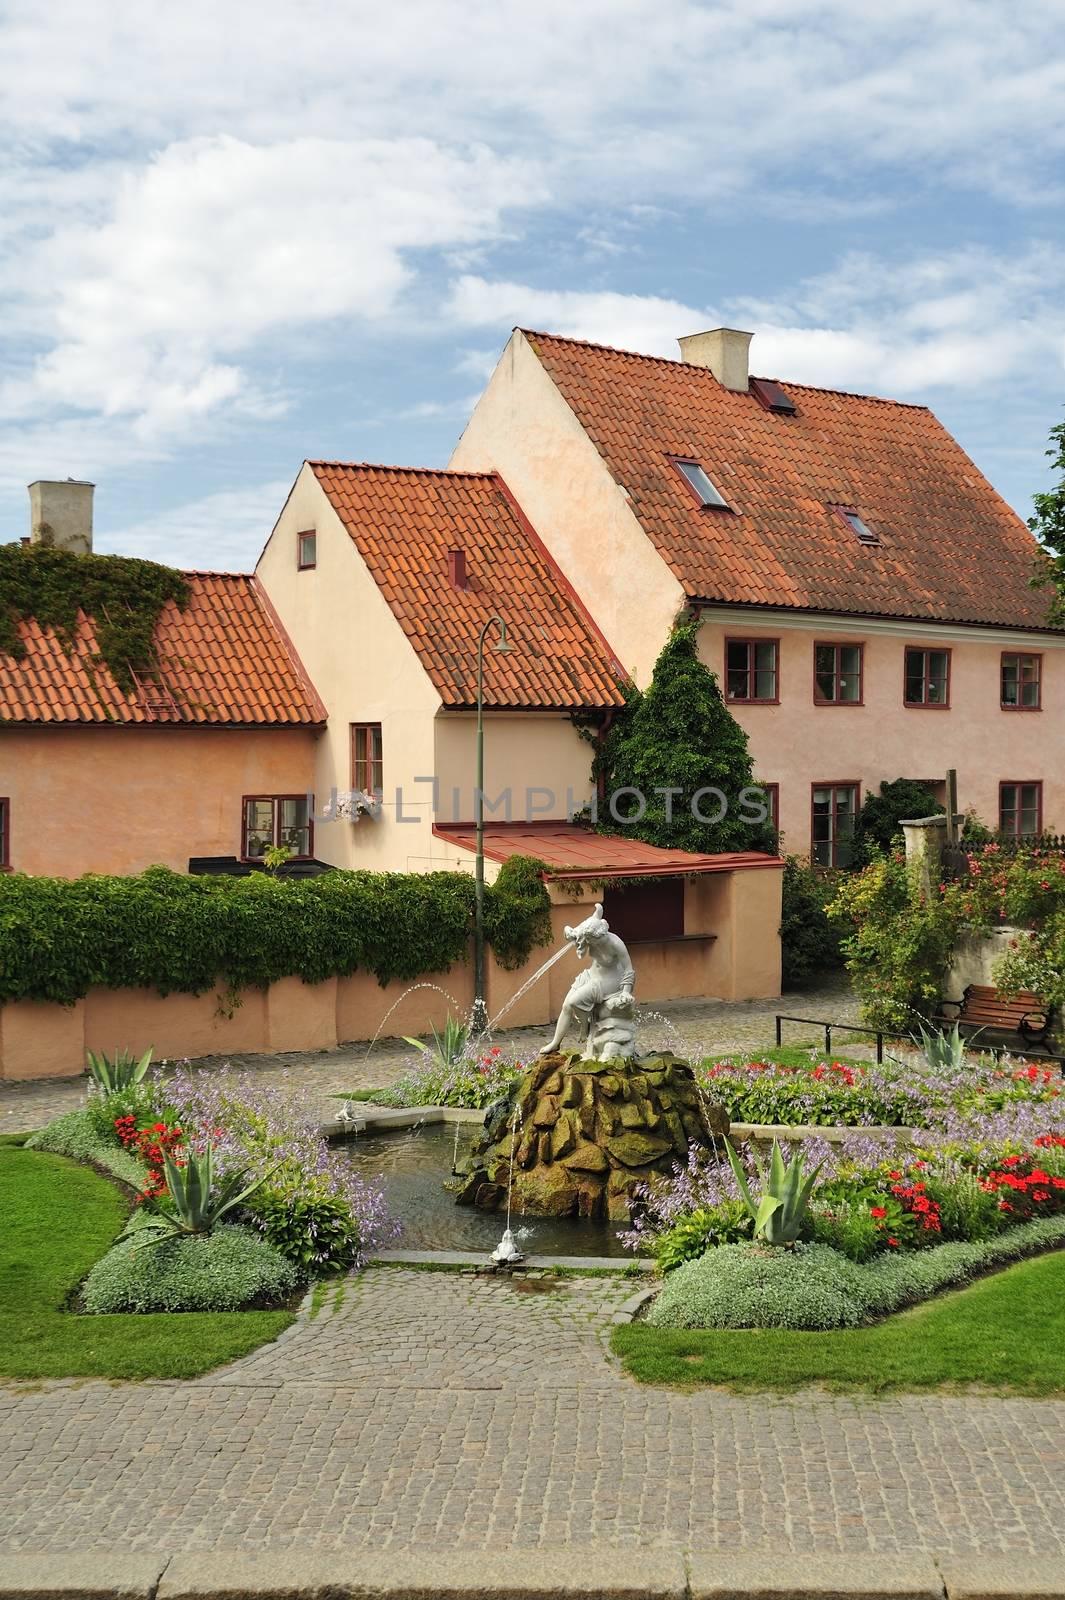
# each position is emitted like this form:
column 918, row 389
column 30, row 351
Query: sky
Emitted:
column 236, row 235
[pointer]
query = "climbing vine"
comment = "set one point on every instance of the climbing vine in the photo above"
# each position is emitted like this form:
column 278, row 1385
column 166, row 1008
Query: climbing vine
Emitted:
column 123, row 596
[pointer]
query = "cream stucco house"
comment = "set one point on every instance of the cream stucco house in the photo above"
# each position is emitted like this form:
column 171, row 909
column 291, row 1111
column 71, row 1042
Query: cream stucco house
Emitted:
column 864, row 593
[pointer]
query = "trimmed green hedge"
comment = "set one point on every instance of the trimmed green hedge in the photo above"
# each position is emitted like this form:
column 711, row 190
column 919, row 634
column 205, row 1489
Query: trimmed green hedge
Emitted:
column 60, row 937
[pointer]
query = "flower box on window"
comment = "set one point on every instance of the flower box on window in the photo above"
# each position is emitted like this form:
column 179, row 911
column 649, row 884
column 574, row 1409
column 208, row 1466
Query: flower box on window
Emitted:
column 350, row 805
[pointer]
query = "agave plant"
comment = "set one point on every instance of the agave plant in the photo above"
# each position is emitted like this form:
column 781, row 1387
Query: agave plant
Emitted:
column 943, row 1052
column 780, row 1210
column 124, row 1072
column 199, row 1204
column 448, row 1047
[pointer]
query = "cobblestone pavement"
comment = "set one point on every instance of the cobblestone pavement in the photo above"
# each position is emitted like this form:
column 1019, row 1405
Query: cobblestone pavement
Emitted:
column 433, row 1408
column 693, row 1028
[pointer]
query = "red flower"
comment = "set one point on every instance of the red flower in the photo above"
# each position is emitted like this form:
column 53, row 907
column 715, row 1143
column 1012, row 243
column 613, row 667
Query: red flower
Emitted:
column 878, row 1211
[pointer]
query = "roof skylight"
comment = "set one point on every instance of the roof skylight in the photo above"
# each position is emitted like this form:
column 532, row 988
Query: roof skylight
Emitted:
column 855, row 523
column 698, row 481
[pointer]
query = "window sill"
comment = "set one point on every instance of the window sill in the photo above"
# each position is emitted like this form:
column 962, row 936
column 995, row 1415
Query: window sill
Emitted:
column 934, row 705
column 1024, row 710
column 672, row 938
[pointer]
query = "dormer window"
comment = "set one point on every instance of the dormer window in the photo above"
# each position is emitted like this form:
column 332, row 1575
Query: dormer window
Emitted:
column 698, row 481
column 857, row 525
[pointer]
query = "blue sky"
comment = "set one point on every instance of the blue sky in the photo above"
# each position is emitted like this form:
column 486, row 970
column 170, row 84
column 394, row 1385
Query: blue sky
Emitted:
column 235, row 236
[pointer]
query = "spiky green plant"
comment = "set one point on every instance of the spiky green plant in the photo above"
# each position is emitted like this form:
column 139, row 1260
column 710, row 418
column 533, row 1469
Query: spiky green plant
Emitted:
column 448, row 1047
column 197, row 1203
column 944, row 1052
column 124, row 1072
column 780, row 1210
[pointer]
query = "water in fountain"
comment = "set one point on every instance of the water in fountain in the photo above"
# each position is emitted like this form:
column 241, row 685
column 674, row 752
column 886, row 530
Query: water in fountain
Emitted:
column 565, row 949
column 380, row 1026
column 644, row 1017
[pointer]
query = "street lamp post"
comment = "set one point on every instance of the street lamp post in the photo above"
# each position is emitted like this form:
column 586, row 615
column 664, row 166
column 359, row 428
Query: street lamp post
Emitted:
column 480, row 1010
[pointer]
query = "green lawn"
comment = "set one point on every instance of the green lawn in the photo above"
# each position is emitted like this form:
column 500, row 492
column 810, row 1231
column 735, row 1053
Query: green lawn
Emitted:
column 1005, row 1333
column 58, row 1218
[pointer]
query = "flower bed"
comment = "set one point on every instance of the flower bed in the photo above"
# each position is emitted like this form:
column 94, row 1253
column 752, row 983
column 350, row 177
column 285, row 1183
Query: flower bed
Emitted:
column 827, row 1092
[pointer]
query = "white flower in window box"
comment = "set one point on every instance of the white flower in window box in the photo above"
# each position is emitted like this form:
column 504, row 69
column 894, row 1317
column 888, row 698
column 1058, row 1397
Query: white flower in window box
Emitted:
column 352, row 804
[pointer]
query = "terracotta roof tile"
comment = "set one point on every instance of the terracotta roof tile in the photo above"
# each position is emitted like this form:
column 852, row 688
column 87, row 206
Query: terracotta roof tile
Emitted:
column 950, row 548
column 404, row 520
column 578, row 853
column 224, row 660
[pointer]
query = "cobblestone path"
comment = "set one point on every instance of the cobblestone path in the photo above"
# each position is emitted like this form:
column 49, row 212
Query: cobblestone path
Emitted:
column 448, row 1410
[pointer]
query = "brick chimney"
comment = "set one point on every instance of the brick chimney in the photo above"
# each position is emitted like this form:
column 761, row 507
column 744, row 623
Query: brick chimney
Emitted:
column 61, row 515
column 724, row 351
column 456, row 568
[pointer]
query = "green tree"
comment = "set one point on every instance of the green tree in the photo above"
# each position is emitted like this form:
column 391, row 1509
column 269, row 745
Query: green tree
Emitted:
column 1048, row 525
column 674, row 743
column 882, row 815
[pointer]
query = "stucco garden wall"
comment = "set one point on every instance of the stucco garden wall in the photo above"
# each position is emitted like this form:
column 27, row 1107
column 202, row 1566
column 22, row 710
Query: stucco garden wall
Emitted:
column 732, row 952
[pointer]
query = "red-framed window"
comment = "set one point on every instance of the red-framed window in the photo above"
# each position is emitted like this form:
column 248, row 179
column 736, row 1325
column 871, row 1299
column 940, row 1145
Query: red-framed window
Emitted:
column 1020, row 808
column 838, row 670
column 306, row 549
column 5, row 834
column 927, row 678
column 1022, row 681
column 834, row 812
column 752, row 671
column 276, row 819
column 367, row 761
column 772, row 800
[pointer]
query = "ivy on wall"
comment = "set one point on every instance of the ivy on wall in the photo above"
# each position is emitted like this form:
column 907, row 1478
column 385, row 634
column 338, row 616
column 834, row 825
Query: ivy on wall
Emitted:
column 60, row 937
column 123, row 596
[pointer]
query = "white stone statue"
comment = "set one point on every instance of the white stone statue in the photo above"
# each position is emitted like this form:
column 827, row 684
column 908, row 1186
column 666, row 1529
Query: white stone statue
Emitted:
column 600, row 1002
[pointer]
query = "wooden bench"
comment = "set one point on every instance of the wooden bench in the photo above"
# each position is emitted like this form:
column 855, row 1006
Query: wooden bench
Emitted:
column 982, row 1008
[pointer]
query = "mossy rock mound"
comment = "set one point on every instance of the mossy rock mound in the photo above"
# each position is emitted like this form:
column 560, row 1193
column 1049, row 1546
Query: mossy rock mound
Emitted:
column 577, row 1136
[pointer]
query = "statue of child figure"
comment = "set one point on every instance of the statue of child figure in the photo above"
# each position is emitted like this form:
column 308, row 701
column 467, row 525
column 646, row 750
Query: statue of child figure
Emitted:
column 600, row 1002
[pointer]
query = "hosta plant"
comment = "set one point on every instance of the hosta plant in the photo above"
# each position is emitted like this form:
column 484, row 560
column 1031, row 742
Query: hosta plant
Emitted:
column 124, row 1072
column 779, row 1212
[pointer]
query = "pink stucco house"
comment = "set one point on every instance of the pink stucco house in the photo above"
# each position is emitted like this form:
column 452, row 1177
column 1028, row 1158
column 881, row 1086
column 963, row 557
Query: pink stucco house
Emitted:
column 864, row 593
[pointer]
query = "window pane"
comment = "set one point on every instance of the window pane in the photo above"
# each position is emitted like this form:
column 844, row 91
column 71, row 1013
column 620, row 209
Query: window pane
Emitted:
column 259, row 826
column 937, row 677
column 376, row 763
column 1030, row 680
column 700, row 482
column 308, row 549
column 293, row 827
column 1010, row 669
column 850, row 672
column 737, row 661
column 1029, row 822
column 826, row 684
column 915, row 676
column 765, row 676
column 358, row 758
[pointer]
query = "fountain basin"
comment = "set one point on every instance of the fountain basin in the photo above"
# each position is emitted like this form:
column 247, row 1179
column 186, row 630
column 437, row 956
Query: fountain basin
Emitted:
column 413, row 1162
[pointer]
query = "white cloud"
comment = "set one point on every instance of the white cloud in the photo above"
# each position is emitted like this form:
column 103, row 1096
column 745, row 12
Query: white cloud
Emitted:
column 216, row 243
column 905, row 329
column 223, row 532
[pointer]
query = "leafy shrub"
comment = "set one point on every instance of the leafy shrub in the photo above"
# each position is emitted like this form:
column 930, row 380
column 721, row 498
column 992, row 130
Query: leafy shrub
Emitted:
column 898, row 943
column 848, row 1226
column 692, row 1235
column 104, row 1111
column 517, row 911
column 816, row 1288
column 219, row 1271
column 752, row 1286
column 471, row 1084
column 317, row 1232
column 170, row 932
column 821, row 1093
column 75, row 1135
column 809, row 939
column 879, row 824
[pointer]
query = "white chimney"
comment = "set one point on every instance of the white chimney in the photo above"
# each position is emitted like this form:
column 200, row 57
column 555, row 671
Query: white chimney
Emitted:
column 724, row 351
column 61, row 515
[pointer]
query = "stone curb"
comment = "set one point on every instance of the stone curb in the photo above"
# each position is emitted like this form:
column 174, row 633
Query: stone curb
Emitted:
column 630, row 1308
column 575, row 1573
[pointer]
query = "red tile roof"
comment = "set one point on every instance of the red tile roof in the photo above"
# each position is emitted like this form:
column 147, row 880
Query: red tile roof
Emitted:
column 578, row 853
column 950, row 549
column 224, row 660
column 404, row 520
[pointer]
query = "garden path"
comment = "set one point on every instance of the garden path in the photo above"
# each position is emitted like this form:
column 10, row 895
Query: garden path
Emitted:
column 699, row 1027
column 440, row 1409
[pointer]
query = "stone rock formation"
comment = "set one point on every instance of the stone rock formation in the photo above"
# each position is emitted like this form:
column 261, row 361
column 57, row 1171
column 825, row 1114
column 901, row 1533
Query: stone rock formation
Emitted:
column 579, row 1135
